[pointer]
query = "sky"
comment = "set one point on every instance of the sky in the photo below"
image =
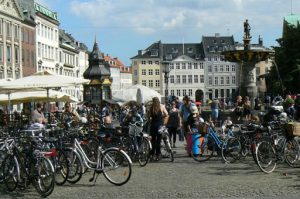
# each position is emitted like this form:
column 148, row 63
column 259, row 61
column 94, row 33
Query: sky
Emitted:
column 122, row 27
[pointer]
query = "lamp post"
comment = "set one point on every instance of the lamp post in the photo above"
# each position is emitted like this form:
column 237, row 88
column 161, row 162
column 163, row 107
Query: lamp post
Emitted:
column 166, row 71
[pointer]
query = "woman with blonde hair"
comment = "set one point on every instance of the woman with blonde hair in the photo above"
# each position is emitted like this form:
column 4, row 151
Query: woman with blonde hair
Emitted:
column 157, row 116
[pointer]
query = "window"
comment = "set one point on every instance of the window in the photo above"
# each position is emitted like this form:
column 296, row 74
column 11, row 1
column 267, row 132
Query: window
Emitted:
column 16, row 54
column 227, row 68
column 172, row 92
column 233, row 68
column 178, row 92
column 143, row 71
column 195, row 66
column 171, row 66
column 150, row 62
column 190, row 79
column 154, row 52
column 39, row 49
column 190, row 92
column 177, row 66
column 174, row 50
column 222, row 80
column 183, row 92
column 221, row 68
column 216, row 58
column 209, row 80
column 195, row 78
column 216, row 68
column 135, row 72
column 184, row 79
column 1, row 52
column 143, row 62
column 227, row 80
column 172, row 79
column 16, row 32
column 8, row 53
column 216, row 80
column 150, row 83
column 189, row 65
column 201, row 78
column 190, row 50
column 8, row 29
column 157, row 62
column 150, row 72
column 157, row 83
column 144, row 83
column 23, row 55
column 1, row 27
column 156, row 71
column 233, row 80
column 178, row 79
column 201, row 65
column 183, row 66
column 209, row 69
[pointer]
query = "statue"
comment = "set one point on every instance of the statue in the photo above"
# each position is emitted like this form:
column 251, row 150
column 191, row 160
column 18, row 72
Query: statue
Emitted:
column 247, row 29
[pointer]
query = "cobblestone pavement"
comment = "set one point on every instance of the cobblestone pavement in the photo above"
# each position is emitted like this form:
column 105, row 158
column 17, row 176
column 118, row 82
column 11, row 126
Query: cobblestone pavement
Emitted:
column 185, row 178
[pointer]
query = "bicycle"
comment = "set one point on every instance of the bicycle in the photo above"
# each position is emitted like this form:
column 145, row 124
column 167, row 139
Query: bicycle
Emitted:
column 113, row 162
column 207, row 140
column 166, row 149
column 137, row 144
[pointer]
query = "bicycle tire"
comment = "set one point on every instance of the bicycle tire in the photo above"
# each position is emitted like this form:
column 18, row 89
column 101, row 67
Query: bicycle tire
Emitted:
column 44, row 180
column 61, row 167
column 116, row 166
column 231, row 150
column 166, row 149
column 144, row 152
column 292, row 153
column 266, row 157
column 11, row 171
column 75, row 166
column 206, row 148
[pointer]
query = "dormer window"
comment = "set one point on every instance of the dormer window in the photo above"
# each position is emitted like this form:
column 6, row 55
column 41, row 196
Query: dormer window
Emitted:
column 154, row 52
column 169, row 56
column 190, row 50
column 174, row 50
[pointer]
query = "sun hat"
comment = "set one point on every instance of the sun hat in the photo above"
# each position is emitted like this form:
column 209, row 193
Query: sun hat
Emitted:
column 194, row 110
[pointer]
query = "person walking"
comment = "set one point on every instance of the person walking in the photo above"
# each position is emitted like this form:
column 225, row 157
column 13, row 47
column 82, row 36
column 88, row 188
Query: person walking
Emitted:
column 215, row 105
column 157, row 116
column 247, row 108
column 174, row 123
column 239, row 107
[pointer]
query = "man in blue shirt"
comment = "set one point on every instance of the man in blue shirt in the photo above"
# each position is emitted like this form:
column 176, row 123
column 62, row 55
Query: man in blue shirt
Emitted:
column 185, row 111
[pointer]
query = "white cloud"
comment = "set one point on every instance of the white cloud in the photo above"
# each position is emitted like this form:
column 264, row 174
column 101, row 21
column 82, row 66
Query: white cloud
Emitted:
column 203, row 17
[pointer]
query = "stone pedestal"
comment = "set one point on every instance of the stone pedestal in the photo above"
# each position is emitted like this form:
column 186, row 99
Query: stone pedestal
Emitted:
column 248, row 81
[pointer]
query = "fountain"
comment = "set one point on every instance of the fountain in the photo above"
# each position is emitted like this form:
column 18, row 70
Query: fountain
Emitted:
column 248, row 58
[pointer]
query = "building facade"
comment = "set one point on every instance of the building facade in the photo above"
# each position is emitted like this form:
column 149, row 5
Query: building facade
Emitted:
column 47, row 38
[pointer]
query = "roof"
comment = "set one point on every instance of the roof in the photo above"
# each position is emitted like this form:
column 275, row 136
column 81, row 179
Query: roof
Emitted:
column 27, row 9
column 292, row 19
column 171, row 51
column 216, row 44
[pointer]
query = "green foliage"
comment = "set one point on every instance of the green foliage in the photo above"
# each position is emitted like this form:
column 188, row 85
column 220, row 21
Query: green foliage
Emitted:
column 287, row 57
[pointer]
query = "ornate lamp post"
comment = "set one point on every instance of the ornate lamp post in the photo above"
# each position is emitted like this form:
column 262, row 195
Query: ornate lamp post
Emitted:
column 166, row 71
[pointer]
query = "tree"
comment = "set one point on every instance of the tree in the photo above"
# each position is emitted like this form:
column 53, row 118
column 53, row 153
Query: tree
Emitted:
column 287, row 58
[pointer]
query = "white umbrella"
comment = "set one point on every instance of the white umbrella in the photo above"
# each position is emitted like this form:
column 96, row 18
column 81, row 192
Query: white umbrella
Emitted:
column 44, row 79
column 130, row 94
column 33, row 96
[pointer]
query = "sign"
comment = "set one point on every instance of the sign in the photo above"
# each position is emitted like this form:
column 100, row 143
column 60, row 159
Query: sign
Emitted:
column 45, row 11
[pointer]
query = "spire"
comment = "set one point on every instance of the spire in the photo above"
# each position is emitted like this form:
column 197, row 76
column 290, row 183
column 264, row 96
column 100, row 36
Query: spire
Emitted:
column 183, row 46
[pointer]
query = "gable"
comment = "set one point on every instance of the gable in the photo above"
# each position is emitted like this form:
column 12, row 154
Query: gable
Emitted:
column 11, row 8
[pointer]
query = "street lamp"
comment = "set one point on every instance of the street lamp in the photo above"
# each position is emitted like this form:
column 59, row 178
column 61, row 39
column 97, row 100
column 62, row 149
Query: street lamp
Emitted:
column 166, row 71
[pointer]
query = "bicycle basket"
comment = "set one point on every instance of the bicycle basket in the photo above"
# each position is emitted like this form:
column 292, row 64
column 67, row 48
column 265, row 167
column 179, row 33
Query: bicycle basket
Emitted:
column 135, row 130
column 292, row 129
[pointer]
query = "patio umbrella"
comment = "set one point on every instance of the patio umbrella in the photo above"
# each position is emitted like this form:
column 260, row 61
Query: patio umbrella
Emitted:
column 130, row 93
column 34, row 96
column 44, row 79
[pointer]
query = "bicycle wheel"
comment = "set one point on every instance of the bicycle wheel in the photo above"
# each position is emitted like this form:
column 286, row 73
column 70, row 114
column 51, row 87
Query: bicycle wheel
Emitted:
column 61, row 167
column 292, row 153
column 11, row 172
column 231, row 150
column 116, row 166
column 166, row 150
column 75, row 166
column 203, row 148
column 266, row 157
column 144, row 152
column 44, row 177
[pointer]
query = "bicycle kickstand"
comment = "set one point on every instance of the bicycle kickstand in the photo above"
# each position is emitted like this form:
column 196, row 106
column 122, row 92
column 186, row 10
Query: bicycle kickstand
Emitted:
column 94, row 178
